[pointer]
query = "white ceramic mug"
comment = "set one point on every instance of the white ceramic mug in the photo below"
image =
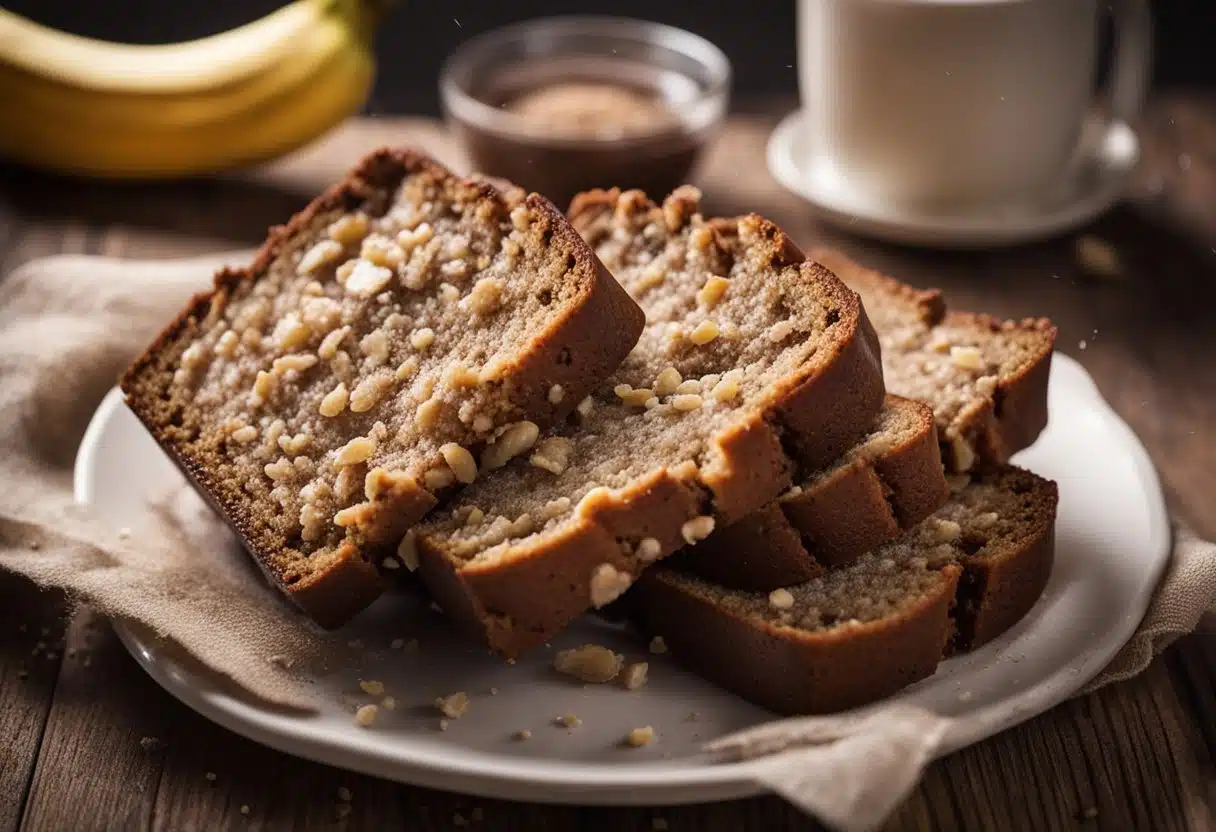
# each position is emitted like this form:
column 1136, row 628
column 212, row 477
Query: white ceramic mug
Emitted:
column 944, row 104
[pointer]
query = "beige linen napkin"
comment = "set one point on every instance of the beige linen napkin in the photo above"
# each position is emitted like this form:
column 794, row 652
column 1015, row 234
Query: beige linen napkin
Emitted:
column 68, row 327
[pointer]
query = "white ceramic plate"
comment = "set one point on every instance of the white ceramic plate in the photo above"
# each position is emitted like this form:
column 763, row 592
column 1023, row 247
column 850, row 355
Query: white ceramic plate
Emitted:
column 1112, row 545
column 1093, row 187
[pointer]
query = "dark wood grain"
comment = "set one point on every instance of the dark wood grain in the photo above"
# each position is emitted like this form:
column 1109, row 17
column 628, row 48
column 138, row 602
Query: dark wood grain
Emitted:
column 93, row 743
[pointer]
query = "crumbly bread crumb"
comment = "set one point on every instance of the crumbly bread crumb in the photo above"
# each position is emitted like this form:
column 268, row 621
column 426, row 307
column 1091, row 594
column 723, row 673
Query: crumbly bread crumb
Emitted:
column 635, row 675
column 338, row 347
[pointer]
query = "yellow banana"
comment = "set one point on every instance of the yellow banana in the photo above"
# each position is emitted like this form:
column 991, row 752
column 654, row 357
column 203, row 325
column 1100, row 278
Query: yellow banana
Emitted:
column 110, row 110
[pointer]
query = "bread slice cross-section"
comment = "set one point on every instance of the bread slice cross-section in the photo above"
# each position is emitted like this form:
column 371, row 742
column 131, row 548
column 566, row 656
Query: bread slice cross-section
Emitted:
column 985, row 378
column 755, row 365
column 326, row 396
column 864, row 631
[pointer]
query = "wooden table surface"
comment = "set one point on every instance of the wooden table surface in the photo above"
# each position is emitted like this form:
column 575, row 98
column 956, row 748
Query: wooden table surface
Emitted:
column 90, row 742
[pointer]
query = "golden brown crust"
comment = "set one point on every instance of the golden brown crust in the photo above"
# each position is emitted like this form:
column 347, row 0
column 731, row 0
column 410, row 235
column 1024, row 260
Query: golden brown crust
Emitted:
column 836, row 516
column 795, row 672
column 582, row 345
column 996, row 590
column 928, row 304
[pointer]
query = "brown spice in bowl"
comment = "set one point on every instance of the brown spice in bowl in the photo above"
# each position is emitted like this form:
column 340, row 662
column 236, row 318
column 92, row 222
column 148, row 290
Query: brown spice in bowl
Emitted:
column 591, row 110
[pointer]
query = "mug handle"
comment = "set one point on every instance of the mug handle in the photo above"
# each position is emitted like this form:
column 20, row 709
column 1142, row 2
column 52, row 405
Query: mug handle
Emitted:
column 1131, row 66
column 1132, row 60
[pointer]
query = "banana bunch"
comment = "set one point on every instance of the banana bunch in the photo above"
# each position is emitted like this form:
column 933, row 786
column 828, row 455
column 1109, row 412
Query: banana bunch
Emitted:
column 118, row 111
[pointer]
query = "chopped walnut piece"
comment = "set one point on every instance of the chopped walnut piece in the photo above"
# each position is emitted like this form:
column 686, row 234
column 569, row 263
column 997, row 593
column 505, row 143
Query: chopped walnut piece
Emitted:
column 945, row 531
column 367, row 279
column 454, row 705
column 462, row 463
column 986, row 520
column 635, row 675
column 726, row 390
column 367, row 393
column 639, row 737
column 967, row 358
column 632, row 396
column 406, row 369
column 553, row 454
column 289, row 333
column 245, row 434
column 264, row 385
column 382, row 251
column 516, row 439
column 590, row 663
column 648, row 549
column 697, row 529
column 428, row 413
column 407, row 551
column 713, row 291
column 964, row 455
column 355, row 451
column 438, row 478
column 667, row 381
column 781, row 599
column 331, row 342
column 486, row 296
column 349, row 229
column 685, row 402
column 335, row 401
column 779, row 331
column 421, row 339
column 321, row 254
column 375, row 345
column 704, row 332
column 298, row 362
column 608, row 584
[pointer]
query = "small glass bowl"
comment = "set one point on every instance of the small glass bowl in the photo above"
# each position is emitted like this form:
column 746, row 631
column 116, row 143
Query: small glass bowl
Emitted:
column 687, row 74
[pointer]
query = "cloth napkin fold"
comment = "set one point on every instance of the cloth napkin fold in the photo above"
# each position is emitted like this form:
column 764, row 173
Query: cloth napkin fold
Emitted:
column 68, row 327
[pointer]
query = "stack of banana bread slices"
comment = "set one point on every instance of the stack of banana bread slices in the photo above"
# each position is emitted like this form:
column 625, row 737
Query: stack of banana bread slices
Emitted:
column 792, row 469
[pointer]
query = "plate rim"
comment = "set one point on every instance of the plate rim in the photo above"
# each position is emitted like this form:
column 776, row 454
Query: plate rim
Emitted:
column 588, row 783
column 937, row 232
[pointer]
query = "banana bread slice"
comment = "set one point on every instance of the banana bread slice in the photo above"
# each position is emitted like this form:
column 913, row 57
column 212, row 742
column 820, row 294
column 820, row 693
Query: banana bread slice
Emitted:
column 325, row 396
column 995, row 405
column 753, row 366
column 985, row 378
column 864, row 631
column 881, row 487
